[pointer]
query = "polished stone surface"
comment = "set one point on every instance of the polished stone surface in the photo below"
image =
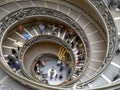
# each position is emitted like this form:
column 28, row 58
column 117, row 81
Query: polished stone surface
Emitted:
column 51, row 63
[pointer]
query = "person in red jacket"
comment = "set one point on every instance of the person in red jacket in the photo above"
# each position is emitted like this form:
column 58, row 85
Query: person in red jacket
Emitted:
column 78, row 62
column 20, row 28
column 42, row 62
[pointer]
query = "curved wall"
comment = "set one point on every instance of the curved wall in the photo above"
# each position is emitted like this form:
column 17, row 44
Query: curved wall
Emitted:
column 88, row 8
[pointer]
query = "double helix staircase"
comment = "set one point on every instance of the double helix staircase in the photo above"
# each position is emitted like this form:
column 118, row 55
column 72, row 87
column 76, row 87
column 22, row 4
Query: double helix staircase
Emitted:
column 97, row 39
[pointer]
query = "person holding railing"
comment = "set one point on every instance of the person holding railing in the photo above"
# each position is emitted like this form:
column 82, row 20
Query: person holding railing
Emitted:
column 13, row 62
column 42, row 29
column 14, row 52
column 62, row 66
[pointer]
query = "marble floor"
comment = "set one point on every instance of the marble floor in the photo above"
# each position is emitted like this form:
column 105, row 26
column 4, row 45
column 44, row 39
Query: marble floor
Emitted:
column 51, row 63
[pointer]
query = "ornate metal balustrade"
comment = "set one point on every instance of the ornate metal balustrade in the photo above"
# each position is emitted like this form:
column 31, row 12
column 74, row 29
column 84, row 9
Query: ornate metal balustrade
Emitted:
column 21, row 14
column 42, row 38
column 14, row 17
column 103, row 11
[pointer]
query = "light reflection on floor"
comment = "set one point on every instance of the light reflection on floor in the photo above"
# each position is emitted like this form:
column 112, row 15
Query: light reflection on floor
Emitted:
column 49, row 64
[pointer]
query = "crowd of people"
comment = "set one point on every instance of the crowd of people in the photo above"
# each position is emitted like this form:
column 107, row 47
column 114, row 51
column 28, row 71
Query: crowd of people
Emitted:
column 52, row 73
column 13, row 60
column 70, row 37
column 14, row 63
column 39, row 64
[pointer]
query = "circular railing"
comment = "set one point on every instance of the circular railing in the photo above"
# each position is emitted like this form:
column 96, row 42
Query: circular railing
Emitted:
column 46, row 38
column 112, row 36
column 31, row 12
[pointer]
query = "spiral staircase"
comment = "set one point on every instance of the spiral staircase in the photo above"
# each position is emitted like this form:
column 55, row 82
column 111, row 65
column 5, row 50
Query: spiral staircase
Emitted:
column 88, row 20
